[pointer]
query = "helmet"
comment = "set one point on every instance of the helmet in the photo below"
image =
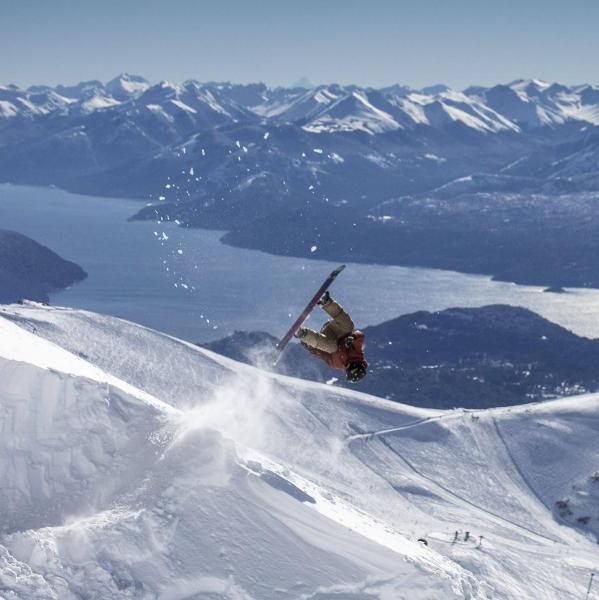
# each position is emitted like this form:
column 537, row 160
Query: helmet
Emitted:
column 355, row 371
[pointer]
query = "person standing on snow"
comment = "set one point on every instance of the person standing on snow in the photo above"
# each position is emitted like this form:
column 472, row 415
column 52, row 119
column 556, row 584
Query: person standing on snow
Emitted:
column 338, row 343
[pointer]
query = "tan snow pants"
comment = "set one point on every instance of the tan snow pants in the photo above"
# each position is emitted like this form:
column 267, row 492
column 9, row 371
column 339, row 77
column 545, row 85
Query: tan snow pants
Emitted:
column 332, row 331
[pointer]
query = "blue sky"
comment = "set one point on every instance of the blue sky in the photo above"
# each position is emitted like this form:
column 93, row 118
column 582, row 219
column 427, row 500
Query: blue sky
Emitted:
column 458, row 42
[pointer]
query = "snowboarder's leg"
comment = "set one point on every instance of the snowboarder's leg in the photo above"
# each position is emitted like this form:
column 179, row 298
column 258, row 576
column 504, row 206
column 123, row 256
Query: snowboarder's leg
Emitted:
column 341, row 323
column 324, row 341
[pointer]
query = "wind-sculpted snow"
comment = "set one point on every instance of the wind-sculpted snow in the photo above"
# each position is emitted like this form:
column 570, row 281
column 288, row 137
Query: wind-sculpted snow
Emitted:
column 135, row 465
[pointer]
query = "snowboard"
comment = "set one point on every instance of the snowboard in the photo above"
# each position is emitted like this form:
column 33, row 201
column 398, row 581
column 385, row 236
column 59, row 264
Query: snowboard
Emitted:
column 280, row 347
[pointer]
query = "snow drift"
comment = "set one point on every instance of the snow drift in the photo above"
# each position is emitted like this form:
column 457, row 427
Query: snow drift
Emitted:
column 134, row 465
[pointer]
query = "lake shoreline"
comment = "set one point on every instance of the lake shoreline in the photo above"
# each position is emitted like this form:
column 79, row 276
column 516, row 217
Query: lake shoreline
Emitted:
column 230, row 237
column 188, row 283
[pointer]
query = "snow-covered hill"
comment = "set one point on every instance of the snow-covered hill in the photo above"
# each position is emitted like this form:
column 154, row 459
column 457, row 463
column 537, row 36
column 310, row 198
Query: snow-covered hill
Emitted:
column 134, row 465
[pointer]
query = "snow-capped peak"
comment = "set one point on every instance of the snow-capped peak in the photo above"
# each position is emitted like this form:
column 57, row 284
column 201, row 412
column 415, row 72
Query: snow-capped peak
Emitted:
column 529, row 86
column 354, row 112
column 126, row 85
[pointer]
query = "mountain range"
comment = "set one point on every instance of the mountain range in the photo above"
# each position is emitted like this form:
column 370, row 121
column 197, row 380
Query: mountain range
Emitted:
column 415, row 175
column 413, row 139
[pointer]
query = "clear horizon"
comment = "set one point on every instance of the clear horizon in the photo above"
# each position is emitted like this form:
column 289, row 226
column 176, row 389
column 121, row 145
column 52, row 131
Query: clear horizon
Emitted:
column 368, row 44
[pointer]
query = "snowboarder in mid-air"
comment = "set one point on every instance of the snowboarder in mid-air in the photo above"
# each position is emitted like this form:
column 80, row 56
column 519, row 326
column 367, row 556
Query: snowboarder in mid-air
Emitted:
column 338, row 343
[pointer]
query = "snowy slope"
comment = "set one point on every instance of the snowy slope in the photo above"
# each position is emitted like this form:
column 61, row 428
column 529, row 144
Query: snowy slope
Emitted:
column 450, row 107
column 355, row 112
column 300, row 105
column 135, row 465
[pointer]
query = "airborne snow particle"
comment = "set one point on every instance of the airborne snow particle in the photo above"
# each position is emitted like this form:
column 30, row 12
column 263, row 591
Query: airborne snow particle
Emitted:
column 318, row 150
column 266, row 135
column 179, row 251
column 191, row 171
column 314, row 248
column 161, row 197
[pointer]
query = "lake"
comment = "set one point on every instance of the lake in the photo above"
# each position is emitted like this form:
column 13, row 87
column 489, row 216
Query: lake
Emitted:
column 186, row 283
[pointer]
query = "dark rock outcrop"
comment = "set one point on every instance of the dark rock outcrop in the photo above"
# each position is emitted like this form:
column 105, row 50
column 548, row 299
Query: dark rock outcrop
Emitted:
column 31, row 271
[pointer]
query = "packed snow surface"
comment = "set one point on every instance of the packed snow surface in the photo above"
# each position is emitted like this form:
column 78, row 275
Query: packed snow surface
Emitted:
column 135, row 465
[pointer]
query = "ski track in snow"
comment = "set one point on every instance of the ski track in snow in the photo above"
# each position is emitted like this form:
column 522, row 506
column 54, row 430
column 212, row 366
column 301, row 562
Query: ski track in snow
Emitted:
column 232, row 450
column 451, row 496
column 538, row 508
column 372, row 434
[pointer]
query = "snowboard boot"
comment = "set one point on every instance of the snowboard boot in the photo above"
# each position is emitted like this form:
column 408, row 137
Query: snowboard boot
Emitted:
column 324, row 299
column 300, row 333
